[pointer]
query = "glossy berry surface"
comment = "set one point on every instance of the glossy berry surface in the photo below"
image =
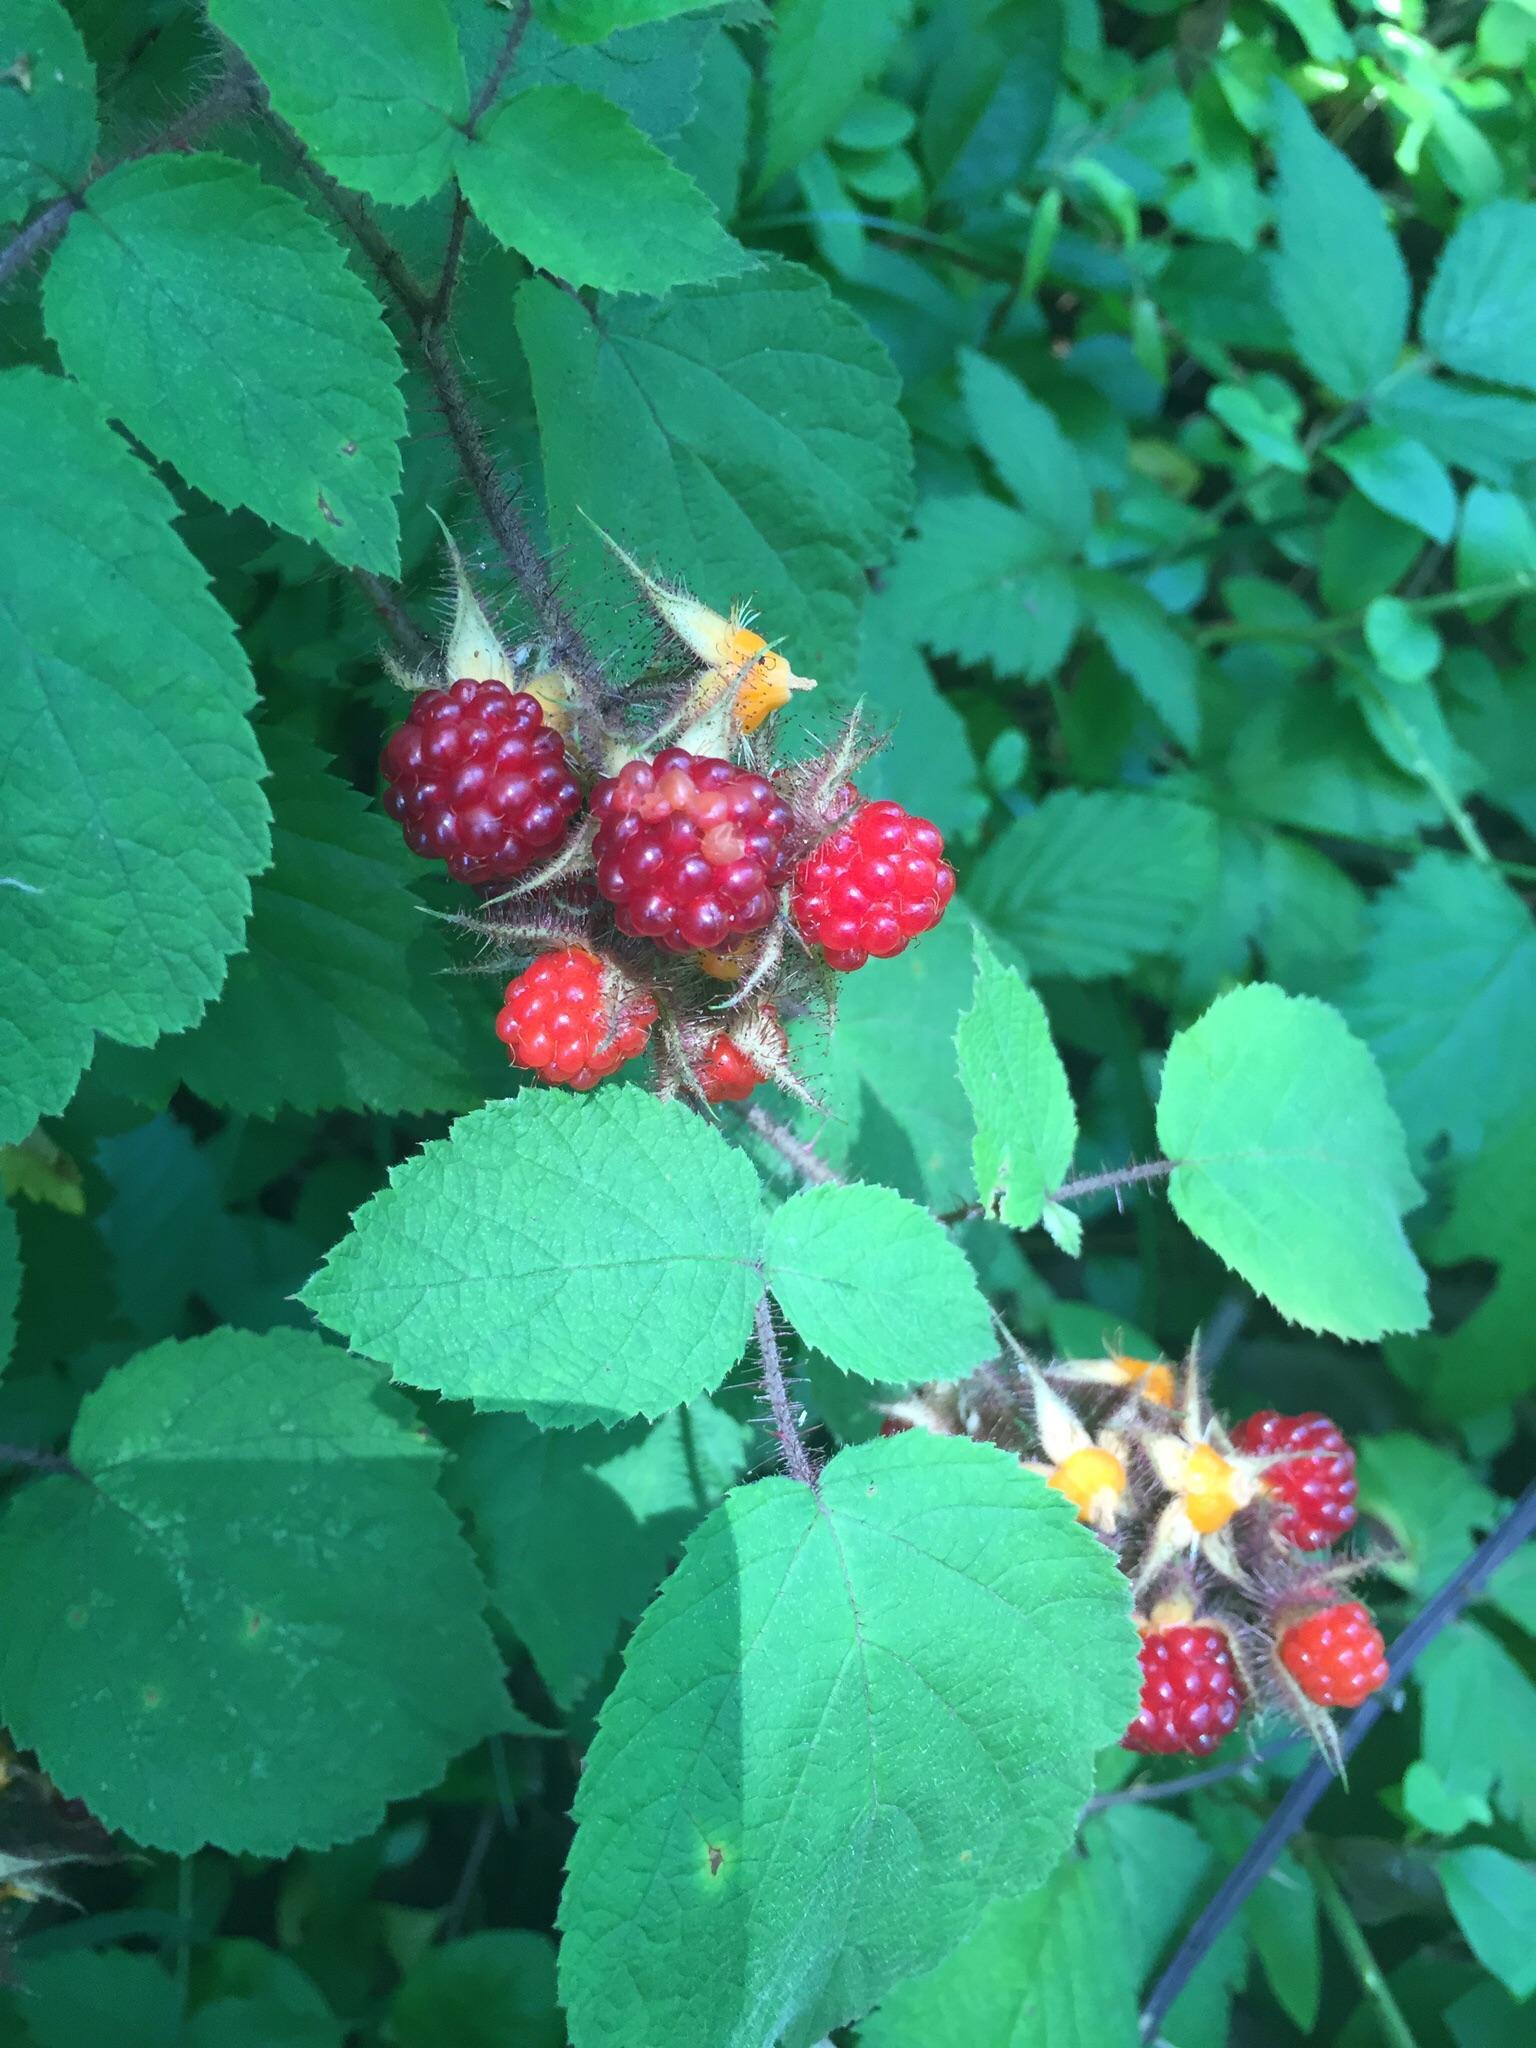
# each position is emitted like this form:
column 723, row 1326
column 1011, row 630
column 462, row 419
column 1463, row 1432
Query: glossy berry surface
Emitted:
column 478, row 780
column 558, row 1021
column 726, row 1072
column 880, row 881
column 1191, row 1695
column 1336, row 1656
column 689, row 850
column 1317, row 1487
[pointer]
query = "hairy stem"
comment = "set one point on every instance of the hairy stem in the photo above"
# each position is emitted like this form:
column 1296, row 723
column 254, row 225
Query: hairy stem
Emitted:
column 1117, row 1177
column 394, row 617
column 1193, row 1781
column 1391, row 2025
column 804, row 1158
column 797, row 1459
column 1305, row 1791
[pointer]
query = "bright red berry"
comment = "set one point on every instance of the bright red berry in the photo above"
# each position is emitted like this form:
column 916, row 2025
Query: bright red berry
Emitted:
column 560, row 1020
column 1337, row 1655
column 689, row 850
column 727, row 1072
column 1318, row 1486
column 477, row 779
column 1191, row 1694
column 877, row 883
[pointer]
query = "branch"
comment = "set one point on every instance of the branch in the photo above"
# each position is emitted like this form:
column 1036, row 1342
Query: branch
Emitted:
column 797, row 1459
column 394, row 617
column 1117, row 1177
column 805, row 1159
column 496, row 77
column 42, row 232
column 1194, row 1781
column 1305, row 1791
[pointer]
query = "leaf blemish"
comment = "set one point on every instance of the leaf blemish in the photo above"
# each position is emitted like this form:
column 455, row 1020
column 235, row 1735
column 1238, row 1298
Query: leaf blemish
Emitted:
column 716, row 1858
column 325, row 511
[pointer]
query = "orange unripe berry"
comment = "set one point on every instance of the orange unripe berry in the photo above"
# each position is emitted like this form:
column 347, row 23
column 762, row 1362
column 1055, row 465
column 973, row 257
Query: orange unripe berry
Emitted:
column 1210, row 1495
column 1152, row 1380
column 1086, row 1477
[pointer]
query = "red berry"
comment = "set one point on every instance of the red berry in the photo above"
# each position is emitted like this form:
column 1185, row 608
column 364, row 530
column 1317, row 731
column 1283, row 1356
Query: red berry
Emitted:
column 894, row 1425
column 1337, row 1655
column 877, row 883
column 477, row 779
column 1318, row 1488
column 1191, row 1695
column 689, row 850
column 558, row 1020
column 727, row 1072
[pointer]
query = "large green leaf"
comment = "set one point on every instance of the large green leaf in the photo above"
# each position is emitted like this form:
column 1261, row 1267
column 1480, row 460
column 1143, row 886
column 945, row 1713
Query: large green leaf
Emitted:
column 580, row 1258
column 1340, row 277
column 762, row 453
column 1028, row 450
column 1093, row 881
column 1481, row 302
column 47, row 106
column 490, row 1990
column 375, row 87
column 1444, row 997
column 875, row 1283
column 1493, row 1898
column 854, row 1717
column 1291, row 1163
column 1037, row 1973
column 218, row 320
column 822, row 53
column 984, row 583
column 565, row 177
column 130, row 785
column 341, row 999
column 1161, row 662
column 1026, row 1126
column 220, row 1580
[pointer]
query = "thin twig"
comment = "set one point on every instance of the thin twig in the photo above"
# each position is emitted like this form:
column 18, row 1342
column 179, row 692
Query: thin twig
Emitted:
column 1306, row 1790
column 804, row 1158
column 496, row 77
column 442, row 298
column 1394, row 2029
column 797, row 1459
column 397, row 621
column 1195, row 1781
column 1117, row 1177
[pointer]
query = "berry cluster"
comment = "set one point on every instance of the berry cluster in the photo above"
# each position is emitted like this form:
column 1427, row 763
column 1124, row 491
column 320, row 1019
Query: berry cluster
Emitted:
column 683, row 897
column 1218, row 1532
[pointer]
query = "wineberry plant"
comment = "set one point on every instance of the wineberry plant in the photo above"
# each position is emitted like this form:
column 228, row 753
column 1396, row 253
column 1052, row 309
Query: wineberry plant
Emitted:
column 767, row 1135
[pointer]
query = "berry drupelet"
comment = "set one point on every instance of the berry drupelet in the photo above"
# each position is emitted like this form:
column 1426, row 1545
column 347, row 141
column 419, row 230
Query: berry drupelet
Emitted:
column 478, row 780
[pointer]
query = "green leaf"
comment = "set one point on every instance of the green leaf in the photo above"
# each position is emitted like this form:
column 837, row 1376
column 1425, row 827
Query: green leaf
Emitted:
column 1039, row 1972
column 1467, row 1679
column 565, row 177
column 131, row 785
column 580, row 1258
column 654, row 72
column 571, row 1553
column 822, row 55
column 1407, row 646
column 340, row 1000
column 1482, row 299
column 1339, row 275
column 490, row 1990
column 956, row 1646
column 763, row 455
column 1496, row 544
column 1026, row 1126
column 223, row 1582
column 1146, row 646
column 1093, row 881
column 1291, row 1164
column 589, row 21
column 1026, row 447
column 80, row 2000
column 47, row 106
column 876, row 1284
column 375, row 87
column 1444, row 995
column 1401, row 477
column 1264, row 415
column 1491, row 433
column 218, row 320
column 1493, row 1897
column 980, row 582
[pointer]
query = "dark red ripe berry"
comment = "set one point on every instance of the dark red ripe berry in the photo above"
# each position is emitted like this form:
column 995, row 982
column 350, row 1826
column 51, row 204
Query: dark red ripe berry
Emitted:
column 559, row 1020
column 689, row 850
column 1191, row 1695
column 726, row 1073
column 879, row 882
column 477, row 779
column 893, row 1425
column 1337, row 1655
column 1318, row 1487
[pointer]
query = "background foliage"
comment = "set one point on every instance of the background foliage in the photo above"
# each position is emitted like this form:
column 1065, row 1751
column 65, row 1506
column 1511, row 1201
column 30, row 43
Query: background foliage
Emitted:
column 1135, row 405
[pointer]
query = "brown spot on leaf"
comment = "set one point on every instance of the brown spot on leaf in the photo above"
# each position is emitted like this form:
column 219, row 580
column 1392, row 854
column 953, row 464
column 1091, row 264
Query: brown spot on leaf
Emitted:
column 325, row 511
column 716, row 1858
column 349, row 447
